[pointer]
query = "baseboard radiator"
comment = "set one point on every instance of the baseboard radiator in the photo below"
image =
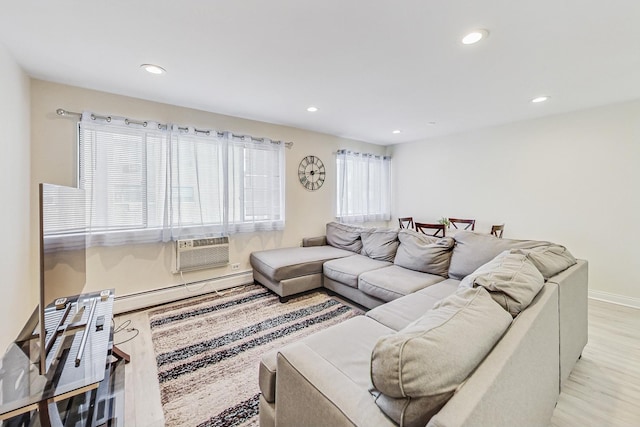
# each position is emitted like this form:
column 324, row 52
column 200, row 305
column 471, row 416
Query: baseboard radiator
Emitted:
column 200, row 254
column 146, row 299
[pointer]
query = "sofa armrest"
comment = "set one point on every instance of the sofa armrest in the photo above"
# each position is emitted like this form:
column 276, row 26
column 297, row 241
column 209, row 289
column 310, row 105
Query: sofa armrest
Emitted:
column 518, row 383
column 314, row 241
column 267, row 376
column 310, row 391
column 573, row 308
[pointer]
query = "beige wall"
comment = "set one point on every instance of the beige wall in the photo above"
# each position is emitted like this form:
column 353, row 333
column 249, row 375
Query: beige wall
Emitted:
column 132, row 269
column 571, row 179
column 562, row 178
column 18, row 285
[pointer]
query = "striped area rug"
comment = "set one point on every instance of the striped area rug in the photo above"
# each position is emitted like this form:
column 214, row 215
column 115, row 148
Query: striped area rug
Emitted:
column 208, row 350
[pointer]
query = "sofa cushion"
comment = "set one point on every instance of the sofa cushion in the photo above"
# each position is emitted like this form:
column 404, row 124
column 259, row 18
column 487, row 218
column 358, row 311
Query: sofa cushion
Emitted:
column 397, row 314
column 549, row 260
column 346, row 270
column 424, row 253
column 286, row 263
column 379, row 243
column 512, row 280
column 417, row 369
column 389, row 283
column 344, row 236
column 441, row 289
column 348, row 346
column 474, row 249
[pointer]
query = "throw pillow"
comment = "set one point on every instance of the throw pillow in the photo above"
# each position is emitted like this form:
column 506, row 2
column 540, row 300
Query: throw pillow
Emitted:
column 379, row 243
column 344, row 236
column 549, row 260
column 512, row 280
column 424, row 253
column 416, row 370
column 474, row 249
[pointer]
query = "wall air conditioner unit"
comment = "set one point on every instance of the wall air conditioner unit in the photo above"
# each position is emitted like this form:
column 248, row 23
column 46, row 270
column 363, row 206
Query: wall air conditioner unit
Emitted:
column 199, row 254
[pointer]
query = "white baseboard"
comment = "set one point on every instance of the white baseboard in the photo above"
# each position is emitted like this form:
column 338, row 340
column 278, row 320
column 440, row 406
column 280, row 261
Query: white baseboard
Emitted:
column 615, row 298
column 141, row 300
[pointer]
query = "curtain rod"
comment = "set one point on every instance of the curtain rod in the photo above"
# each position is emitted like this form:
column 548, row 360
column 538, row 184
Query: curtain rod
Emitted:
column 358, row 153
column 62, row 112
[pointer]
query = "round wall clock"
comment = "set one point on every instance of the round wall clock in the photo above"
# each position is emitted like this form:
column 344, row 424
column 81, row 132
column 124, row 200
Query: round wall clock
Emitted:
column 311, row 173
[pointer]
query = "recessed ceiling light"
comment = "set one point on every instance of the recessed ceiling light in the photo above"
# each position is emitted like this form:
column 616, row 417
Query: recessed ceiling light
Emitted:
column 397, row 131
column 153, row 69
column 312, row 109
column 475, row 36
column 540, row 99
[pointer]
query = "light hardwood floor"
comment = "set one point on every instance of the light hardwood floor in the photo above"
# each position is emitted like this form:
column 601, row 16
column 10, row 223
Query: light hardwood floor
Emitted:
column 604, row 386
column 602, row 391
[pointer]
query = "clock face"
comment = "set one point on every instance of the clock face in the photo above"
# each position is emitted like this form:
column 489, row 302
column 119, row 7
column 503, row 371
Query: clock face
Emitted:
column 311, row 173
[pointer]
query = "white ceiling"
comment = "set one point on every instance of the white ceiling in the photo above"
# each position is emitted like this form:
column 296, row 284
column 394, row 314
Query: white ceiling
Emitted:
column 370, row 66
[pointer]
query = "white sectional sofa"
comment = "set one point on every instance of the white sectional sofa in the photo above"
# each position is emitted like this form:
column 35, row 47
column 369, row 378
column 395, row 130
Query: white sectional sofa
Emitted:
column 339, row 376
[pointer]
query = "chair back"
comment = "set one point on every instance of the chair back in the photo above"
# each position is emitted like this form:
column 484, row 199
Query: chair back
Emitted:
column 422, row 227
column 406, row 222
column 468, row 223
column 497, row 230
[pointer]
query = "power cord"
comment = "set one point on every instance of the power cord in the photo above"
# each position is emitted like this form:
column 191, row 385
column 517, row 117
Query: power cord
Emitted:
column 123, row 327
column 186, row 286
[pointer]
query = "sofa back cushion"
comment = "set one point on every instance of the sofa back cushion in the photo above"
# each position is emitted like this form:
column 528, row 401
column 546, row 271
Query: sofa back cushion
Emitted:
column 511, row 279
column 344, row 236
column 424, row 253
column 549, row 260
column 416, row 370
column 474, row 249
column 379, row 243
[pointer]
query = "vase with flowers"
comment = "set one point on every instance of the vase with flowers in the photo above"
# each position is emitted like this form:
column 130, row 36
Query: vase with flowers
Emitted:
column 444, row 220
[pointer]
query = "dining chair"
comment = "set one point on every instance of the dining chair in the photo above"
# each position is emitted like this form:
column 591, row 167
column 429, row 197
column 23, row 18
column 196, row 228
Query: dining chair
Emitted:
column 439, row 228
column 469, row 223
column 406, row 222
column 497, row 230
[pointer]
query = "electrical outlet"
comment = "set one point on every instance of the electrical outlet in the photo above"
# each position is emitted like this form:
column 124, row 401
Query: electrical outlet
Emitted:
column 235, row 266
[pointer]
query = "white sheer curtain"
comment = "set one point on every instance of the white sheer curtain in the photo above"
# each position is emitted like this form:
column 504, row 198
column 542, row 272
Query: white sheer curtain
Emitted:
column 147, row 182
column 363, row 187
column 198, row 183
column 256, row 185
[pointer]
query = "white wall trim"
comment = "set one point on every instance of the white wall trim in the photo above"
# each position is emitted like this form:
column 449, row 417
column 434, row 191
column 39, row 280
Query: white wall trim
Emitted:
column 615, row 298
column 141, row 300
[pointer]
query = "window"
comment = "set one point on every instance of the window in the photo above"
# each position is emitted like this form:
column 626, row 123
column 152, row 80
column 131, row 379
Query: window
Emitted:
column 363, row 187
column 257, row 190
column 147, row 182
column 122, row 171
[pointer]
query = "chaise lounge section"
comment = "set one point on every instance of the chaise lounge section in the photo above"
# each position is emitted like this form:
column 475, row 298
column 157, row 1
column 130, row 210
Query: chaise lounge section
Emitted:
column 290, row 271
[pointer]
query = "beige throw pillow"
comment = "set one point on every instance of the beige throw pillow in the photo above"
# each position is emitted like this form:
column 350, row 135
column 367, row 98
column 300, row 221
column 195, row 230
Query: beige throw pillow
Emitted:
column 344, row 236
column 512, row 280
column 380, row 243
column 416, row 370
column 474, row 249
column 424, row 253
column 549, row 260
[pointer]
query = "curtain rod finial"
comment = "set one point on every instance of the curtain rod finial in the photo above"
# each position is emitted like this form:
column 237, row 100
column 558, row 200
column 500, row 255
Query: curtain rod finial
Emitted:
column 60, row 112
